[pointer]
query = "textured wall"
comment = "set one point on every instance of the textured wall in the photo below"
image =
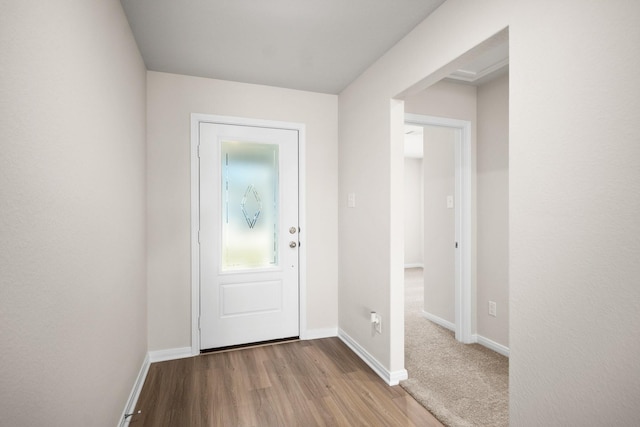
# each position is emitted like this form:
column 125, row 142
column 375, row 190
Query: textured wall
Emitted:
column 493, row 209
column 413, row 236
column 446, row 99
column 72, row 207
column 171, row 100
column 439, row 222
column 574, row 199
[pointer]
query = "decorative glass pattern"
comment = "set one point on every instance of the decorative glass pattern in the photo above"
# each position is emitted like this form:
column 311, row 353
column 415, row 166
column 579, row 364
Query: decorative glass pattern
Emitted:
column 251, row 191
column 249, row 205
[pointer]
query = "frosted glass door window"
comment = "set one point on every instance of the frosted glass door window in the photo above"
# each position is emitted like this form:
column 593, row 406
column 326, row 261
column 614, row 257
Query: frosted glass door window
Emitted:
column 249, row 256
column 249, row 205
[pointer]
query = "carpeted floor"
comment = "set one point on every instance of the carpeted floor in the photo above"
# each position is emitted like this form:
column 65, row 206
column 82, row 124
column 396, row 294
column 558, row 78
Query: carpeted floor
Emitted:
column 461, row 384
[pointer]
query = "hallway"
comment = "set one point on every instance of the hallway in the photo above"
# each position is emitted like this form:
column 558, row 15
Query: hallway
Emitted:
column 461, row 384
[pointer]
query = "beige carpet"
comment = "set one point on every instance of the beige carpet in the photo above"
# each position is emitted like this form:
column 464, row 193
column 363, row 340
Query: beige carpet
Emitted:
column 461, row 384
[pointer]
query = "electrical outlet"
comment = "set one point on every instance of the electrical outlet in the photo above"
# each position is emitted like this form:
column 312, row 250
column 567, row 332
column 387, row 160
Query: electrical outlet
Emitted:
column 492, row 308
column 376, row 320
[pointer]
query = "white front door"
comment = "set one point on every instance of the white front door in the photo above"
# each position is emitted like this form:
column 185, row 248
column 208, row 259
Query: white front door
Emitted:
column 248, row 234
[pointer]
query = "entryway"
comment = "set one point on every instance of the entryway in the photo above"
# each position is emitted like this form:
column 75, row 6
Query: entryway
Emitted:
column 248, row 231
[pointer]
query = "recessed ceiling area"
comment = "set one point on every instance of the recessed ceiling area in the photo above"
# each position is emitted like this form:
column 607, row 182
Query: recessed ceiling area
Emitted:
column 314, row 45
column 492, row 64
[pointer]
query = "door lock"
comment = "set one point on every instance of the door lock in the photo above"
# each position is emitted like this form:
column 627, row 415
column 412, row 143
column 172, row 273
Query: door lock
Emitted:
column 292, row 230
column 292, row 244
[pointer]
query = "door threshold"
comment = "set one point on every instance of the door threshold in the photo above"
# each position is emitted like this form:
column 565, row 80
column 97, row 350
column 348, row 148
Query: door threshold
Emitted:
column 249, row 345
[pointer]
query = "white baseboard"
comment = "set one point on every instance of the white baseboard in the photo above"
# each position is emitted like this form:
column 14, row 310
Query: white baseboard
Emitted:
column 475, row 338
column 135, row 391
column 314, row 334
column 151, row 357
column 486, row 342
column 391, row 378
column 414, row 265
column 439, row 321
column 170, row 354
column 396, row 376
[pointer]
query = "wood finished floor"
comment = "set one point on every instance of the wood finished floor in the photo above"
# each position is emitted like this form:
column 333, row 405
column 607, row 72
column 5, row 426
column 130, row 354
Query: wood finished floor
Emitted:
column 302, row 383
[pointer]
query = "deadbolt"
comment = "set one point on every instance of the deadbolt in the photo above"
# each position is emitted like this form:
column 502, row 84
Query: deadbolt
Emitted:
column 292, row 244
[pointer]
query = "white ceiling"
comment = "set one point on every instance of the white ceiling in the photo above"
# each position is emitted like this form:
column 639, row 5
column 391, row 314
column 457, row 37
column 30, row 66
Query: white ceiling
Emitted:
column 314, row 45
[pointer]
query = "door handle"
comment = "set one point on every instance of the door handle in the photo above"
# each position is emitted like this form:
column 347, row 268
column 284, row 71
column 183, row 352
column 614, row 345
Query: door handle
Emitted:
column 292, row 244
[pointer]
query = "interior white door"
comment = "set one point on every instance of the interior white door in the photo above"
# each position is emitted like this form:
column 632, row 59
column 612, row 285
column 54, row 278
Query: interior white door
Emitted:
column 249, row 282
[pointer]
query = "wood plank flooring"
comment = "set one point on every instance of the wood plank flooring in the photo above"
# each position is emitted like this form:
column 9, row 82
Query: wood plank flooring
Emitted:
column 301, row 383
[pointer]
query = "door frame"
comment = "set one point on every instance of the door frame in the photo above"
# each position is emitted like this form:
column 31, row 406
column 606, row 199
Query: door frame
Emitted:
column 462, row 214
column 196, row 119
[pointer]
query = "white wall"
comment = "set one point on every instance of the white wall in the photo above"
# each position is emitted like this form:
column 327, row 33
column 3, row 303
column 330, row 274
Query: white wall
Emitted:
column 413, row 235
column 446, row 99
column 493, row 209
column 365, row 230
column 574, row 248
column 171, row 100
column 439, row 222
column 72, row 207
column 573, row 150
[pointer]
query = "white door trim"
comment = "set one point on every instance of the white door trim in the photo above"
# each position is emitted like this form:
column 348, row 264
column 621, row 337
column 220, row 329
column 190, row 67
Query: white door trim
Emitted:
column 196, row 119
column 462, row 218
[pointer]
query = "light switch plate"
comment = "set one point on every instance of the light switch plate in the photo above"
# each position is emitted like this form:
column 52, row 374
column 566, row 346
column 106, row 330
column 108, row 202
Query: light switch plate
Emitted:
column 351, row 202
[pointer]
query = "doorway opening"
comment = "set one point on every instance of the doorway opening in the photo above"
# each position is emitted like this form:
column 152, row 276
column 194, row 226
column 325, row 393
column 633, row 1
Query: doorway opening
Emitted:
column 487, row 102
column 446, row 237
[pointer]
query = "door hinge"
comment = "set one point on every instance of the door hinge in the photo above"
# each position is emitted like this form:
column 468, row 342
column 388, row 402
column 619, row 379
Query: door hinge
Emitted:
column 198, row 150
column 199, row 323
column 456, row 245
column 198, row 236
